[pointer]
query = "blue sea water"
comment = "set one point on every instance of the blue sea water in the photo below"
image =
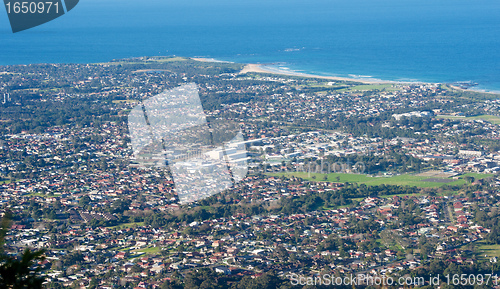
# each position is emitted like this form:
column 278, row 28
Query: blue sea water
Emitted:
column 419, row 40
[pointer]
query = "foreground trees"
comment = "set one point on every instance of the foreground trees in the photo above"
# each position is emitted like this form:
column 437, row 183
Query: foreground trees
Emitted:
column 22, row 272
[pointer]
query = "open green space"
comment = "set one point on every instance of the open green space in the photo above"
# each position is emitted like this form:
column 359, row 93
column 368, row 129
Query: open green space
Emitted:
column 42, row 195
column 127, row 225
column 485, row 117
column 152, row 60
column 339, row 207
column 368, row 87
column 170, row 59
column 400, row 180
column 320, row 85
column 486, row 251
column 150, row 250
column 470, row 94
column 350, row 85
column 364, row 87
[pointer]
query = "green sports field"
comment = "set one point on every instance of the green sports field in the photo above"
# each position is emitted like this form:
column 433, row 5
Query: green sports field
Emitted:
column 401, row 180
column 489, row 118
column 485, row 251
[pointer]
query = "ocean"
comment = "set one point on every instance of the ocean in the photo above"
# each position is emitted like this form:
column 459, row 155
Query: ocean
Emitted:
column 411, row 40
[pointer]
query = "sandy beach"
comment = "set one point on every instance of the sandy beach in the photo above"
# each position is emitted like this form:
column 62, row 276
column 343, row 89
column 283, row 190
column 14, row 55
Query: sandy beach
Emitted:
column 259, row 68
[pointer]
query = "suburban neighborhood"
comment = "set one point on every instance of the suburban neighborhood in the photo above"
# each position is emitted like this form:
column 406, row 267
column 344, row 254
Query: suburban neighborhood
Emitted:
column 389, row 179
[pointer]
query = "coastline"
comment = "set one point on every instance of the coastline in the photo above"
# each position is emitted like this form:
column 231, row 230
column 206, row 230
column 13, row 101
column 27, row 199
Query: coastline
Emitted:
column 202, row 59
column 260, row 68
column 263, row 68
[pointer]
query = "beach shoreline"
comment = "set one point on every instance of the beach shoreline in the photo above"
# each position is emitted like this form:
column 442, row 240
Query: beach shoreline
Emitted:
column 265, row 68
column 202, row 59
column 261, row 68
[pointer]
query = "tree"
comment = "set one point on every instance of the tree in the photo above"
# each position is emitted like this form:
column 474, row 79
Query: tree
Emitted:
column 119, row 206
column 17, row 272
column 84, row 201
column 494, row 236
column 202, row 278
column 93, row 283
column 136, row 268
column 469, row 179
column 267, row 281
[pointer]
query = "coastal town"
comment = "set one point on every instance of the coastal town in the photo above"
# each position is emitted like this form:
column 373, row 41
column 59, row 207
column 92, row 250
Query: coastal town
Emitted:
column 344, row 177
